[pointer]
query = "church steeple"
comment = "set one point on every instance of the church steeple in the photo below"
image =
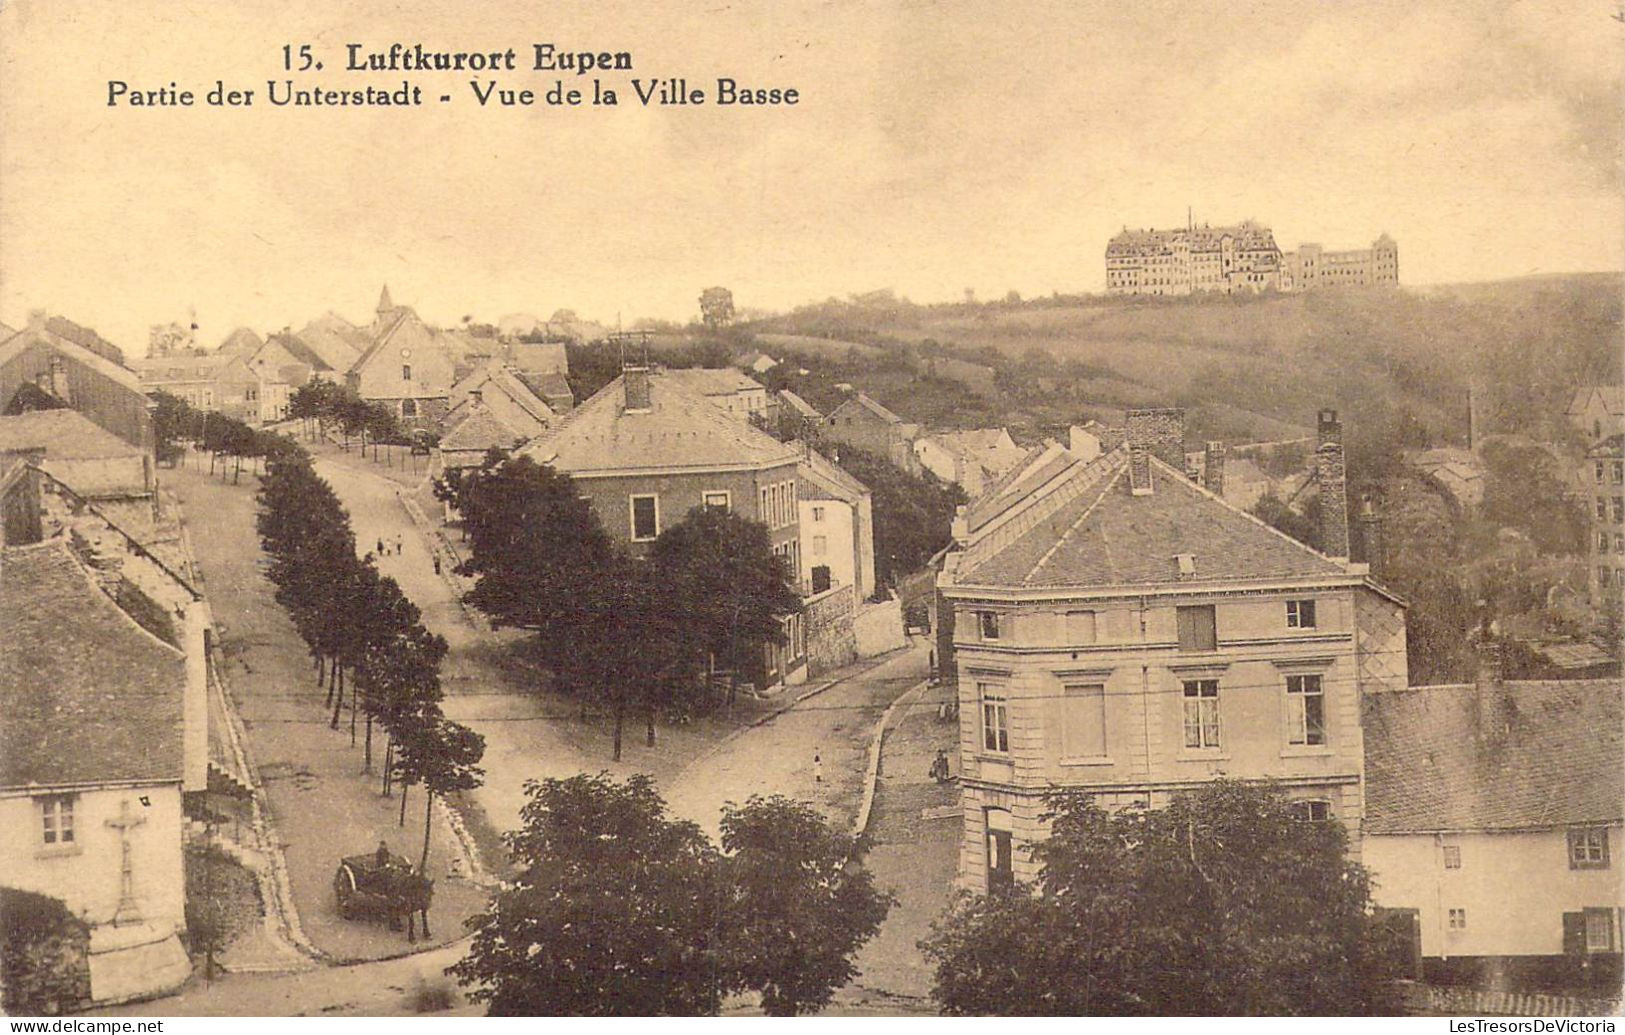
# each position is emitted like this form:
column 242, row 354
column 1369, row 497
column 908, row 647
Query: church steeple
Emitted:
column 385, row 305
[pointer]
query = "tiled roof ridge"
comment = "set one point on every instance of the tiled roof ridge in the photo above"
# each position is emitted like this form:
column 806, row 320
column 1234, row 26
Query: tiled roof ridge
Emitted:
column 1077, row 479
column 90, row 357
column 1342, row 562
column 60, row 544
column 1113, row 480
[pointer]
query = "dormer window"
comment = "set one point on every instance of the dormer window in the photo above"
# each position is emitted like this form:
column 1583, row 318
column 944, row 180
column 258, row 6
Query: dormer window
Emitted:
column 1186, row 563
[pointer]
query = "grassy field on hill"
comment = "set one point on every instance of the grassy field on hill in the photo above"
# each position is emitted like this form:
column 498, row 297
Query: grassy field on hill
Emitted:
column 1395, row 362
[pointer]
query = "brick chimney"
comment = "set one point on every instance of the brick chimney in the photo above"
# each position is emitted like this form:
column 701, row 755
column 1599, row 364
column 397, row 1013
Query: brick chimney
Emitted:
column 635, row 382
column 476, row 400
column 1331, row 478
column 1154, row 432
column 1376, row 557
column 1213, row 467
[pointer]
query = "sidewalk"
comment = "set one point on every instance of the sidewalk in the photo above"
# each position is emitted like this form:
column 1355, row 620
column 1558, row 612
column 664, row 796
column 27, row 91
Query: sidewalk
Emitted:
column 914, row 838
column 322, row 806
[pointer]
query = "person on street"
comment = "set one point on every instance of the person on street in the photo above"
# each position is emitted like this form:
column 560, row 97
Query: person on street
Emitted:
column 380, row 546
column 437, row 564
column 381, row 857
column 818, row 767
column 939, row 766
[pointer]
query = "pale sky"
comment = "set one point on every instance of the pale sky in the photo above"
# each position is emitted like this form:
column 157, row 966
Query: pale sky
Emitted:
column 936, row 147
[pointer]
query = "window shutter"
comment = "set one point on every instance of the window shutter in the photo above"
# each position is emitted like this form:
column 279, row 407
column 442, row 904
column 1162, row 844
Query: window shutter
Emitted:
column 1574, row 934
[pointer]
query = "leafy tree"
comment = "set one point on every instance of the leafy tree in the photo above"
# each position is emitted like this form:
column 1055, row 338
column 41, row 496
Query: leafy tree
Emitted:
column 1524, row 489
column 716, row 307
column 535, row 548
column 1225, row 902
column 720, row 572
column 795, row 911
column 610, row 912
column 444, row 757
column 913, row 515
column 1304, row 527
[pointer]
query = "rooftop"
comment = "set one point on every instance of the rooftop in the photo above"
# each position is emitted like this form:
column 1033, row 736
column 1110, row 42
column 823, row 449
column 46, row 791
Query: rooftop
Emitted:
column 681, row 430
column 1505, row 756
column 714, row 381
column 1089, row 530
column 90, row 696
column 63, row 434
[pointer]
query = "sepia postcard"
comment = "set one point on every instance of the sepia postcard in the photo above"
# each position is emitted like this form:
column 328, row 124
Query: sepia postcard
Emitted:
column 834, row 508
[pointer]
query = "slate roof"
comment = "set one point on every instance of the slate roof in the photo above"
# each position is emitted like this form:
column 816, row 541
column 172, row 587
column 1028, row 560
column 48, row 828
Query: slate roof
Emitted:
column 495, row 376
column 99, row 361
column 86, row 695
column 64, row 434
column 1039, row 466
column 801, row 406
column 1506, row 756
column 85, row 338
column 480, row 430
column 243, row 339
column 682, row 430
column 553, row 389
column 872, row 406
column 300, row 350
column 823, row 479
column 714, row 381
column 336, row 340
column 1106, row 537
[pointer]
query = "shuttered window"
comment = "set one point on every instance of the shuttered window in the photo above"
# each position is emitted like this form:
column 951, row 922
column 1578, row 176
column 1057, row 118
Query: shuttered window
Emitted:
column 1197, row 629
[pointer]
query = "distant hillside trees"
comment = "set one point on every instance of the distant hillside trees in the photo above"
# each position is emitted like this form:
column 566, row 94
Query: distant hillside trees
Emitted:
column 913, row 514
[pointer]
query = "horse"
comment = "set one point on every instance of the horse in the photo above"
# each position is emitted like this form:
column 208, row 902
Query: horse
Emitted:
column 409, row 895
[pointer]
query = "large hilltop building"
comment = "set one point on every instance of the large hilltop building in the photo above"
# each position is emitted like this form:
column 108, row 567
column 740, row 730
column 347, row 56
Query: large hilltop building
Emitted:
column 1234, row 259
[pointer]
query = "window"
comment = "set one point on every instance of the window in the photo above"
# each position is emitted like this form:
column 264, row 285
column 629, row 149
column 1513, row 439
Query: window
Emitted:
column 1001, row 875
column 1313, row 811
column 1300, row 614
column 1599, row 930
column 1602, row 507
column 1602, row 541
column 820, row 545
column 1452, row 857
column 409, row 407
column 717, row 501
column 1617, row 509
column 645, row 518
column 1080, row 628
column 1201, row 713
column 1617, row 471
column 1196, row 628
column 764, row 506
column 1305, row 710
column 1588, row 849
column 1619, row 542
column 57, row 817
column 818, row 513
column 1083, row 721
column 988, row 622
column 406, row 371
column 995, row 717
column 1458, row 919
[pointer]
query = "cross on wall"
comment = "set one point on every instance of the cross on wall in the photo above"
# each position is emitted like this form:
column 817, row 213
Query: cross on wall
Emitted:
column 128, row 911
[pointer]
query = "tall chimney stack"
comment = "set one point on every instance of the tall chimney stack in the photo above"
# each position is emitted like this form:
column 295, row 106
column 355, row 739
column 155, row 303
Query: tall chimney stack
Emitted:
column 1154, row 432
column 1331, row 478
column 635, row 381
column 1213, row 467
column 1376, row 556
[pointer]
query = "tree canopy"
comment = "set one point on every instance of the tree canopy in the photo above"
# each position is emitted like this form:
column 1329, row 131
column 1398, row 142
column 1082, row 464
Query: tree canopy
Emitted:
column 1225, row 902
column 618, row 909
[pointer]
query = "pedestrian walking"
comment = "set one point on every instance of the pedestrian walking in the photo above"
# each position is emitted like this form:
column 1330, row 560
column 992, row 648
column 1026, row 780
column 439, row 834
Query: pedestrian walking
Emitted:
column 380, row 546
column 818, row 767
column 437, row 564
column 939, row 766
column 397, row 544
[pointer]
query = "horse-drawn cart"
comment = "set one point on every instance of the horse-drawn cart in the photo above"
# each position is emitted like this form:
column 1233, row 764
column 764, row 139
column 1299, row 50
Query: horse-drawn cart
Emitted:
column 382, row 885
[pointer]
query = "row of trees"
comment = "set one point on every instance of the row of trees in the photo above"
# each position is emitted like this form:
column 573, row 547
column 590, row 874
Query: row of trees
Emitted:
column 319, row 404
column 634, row 634
column 615, row 908
column 225, row 439
column 364, row 635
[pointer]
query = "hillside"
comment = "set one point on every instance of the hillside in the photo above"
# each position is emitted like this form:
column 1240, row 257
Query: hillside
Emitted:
column 1398, row 362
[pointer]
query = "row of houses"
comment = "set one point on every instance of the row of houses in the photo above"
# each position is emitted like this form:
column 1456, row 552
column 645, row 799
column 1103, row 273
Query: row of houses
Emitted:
column 1115, row 627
